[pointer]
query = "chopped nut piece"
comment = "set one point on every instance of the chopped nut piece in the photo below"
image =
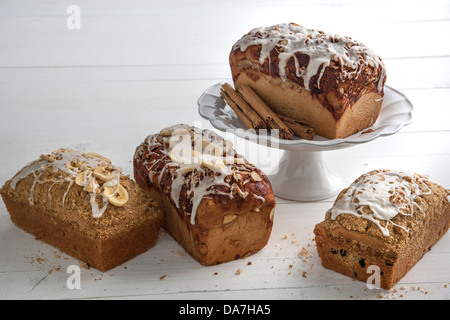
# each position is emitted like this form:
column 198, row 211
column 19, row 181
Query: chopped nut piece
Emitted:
column 228, row 219
column 93, row 155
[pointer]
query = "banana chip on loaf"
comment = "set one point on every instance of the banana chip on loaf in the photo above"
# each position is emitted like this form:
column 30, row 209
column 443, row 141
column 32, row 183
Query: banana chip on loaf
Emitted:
column 217, row 206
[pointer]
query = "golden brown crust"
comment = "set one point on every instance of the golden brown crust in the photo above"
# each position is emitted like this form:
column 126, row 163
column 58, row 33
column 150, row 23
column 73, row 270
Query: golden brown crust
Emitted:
column 290, row 100
column 59, row 212
column 233, row 219
column 349, row 243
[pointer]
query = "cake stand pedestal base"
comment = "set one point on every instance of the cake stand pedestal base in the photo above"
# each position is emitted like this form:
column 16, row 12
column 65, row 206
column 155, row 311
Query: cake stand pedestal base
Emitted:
column 304, row 176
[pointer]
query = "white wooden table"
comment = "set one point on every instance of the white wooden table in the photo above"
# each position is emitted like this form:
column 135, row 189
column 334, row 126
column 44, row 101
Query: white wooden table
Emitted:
column 134, row 67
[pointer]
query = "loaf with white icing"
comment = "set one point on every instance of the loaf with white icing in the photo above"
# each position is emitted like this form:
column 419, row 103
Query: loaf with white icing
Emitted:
column 333, row 83
column 217, row 206
column 384, row 221
column 82, row 204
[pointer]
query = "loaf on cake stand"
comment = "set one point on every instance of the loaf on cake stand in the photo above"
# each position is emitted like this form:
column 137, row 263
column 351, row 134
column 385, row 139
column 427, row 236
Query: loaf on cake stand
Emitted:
column 302, row 173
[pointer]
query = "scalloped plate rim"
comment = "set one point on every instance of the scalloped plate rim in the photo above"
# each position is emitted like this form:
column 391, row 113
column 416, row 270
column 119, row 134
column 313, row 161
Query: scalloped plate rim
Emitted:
column 351, row 140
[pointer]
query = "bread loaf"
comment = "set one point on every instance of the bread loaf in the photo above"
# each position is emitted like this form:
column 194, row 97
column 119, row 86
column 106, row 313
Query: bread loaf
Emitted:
column 333, row 83
column 82, row 204
column 385, row 219
column 217, row 206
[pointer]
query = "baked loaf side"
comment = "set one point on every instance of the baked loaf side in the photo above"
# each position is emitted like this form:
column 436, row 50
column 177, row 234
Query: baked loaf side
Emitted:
column 331, row 82
column 387, row 219
column 217, row 205
column 83, row 205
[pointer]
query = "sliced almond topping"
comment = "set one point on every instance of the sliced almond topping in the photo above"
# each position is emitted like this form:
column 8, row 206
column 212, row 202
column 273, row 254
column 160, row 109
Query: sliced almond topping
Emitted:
column 63, row 150
column 92, row 186
column 180, row 155
column 203, row 248
column 237, row 176
column 166, row 132
column 47, row 157
column 228, row 146
column 212, row 148
column 256, row 176
column 117, row 195
column 239, row 160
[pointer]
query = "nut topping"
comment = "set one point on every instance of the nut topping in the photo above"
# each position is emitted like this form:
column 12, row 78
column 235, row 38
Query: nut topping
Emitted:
column 256, row 176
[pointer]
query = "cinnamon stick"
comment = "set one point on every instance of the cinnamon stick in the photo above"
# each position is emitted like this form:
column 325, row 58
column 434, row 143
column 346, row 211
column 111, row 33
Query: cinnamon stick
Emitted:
column 300, row 129
column 270, row 117
column 243, row 110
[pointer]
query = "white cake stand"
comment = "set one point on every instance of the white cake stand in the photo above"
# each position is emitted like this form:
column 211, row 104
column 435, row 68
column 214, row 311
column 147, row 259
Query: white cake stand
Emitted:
column 302, row 174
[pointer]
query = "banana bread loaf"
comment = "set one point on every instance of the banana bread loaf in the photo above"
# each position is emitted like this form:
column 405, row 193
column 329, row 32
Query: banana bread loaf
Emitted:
column 83, row 205
column 385, row 219
column 217, row 205
column 333, row 83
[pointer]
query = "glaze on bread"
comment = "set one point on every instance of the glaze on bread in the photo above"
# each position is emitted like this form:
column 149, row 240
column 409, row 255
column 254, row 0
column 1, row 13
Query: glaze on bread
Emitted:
column 217, row 205
column 387, row 219
column 82, row 204
column 333, row 83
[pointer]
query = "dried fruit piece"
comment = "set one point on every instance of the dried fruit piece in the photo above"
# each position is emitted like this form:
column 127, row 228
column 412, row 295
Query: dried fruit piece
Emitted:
column 211, row 148
column 203, row 248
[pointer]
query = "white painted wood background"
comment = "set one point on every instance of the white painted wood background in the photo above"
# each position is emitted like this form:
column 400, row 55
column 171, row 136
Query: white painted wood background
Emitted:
column 135, row 67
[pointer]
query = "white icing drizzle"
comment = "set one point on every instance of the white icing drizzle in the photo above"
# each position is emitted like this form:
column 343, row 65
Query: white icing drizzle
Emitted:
column 321, row 47
column 386, row 194
column 208, row 156
column 71, row 162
